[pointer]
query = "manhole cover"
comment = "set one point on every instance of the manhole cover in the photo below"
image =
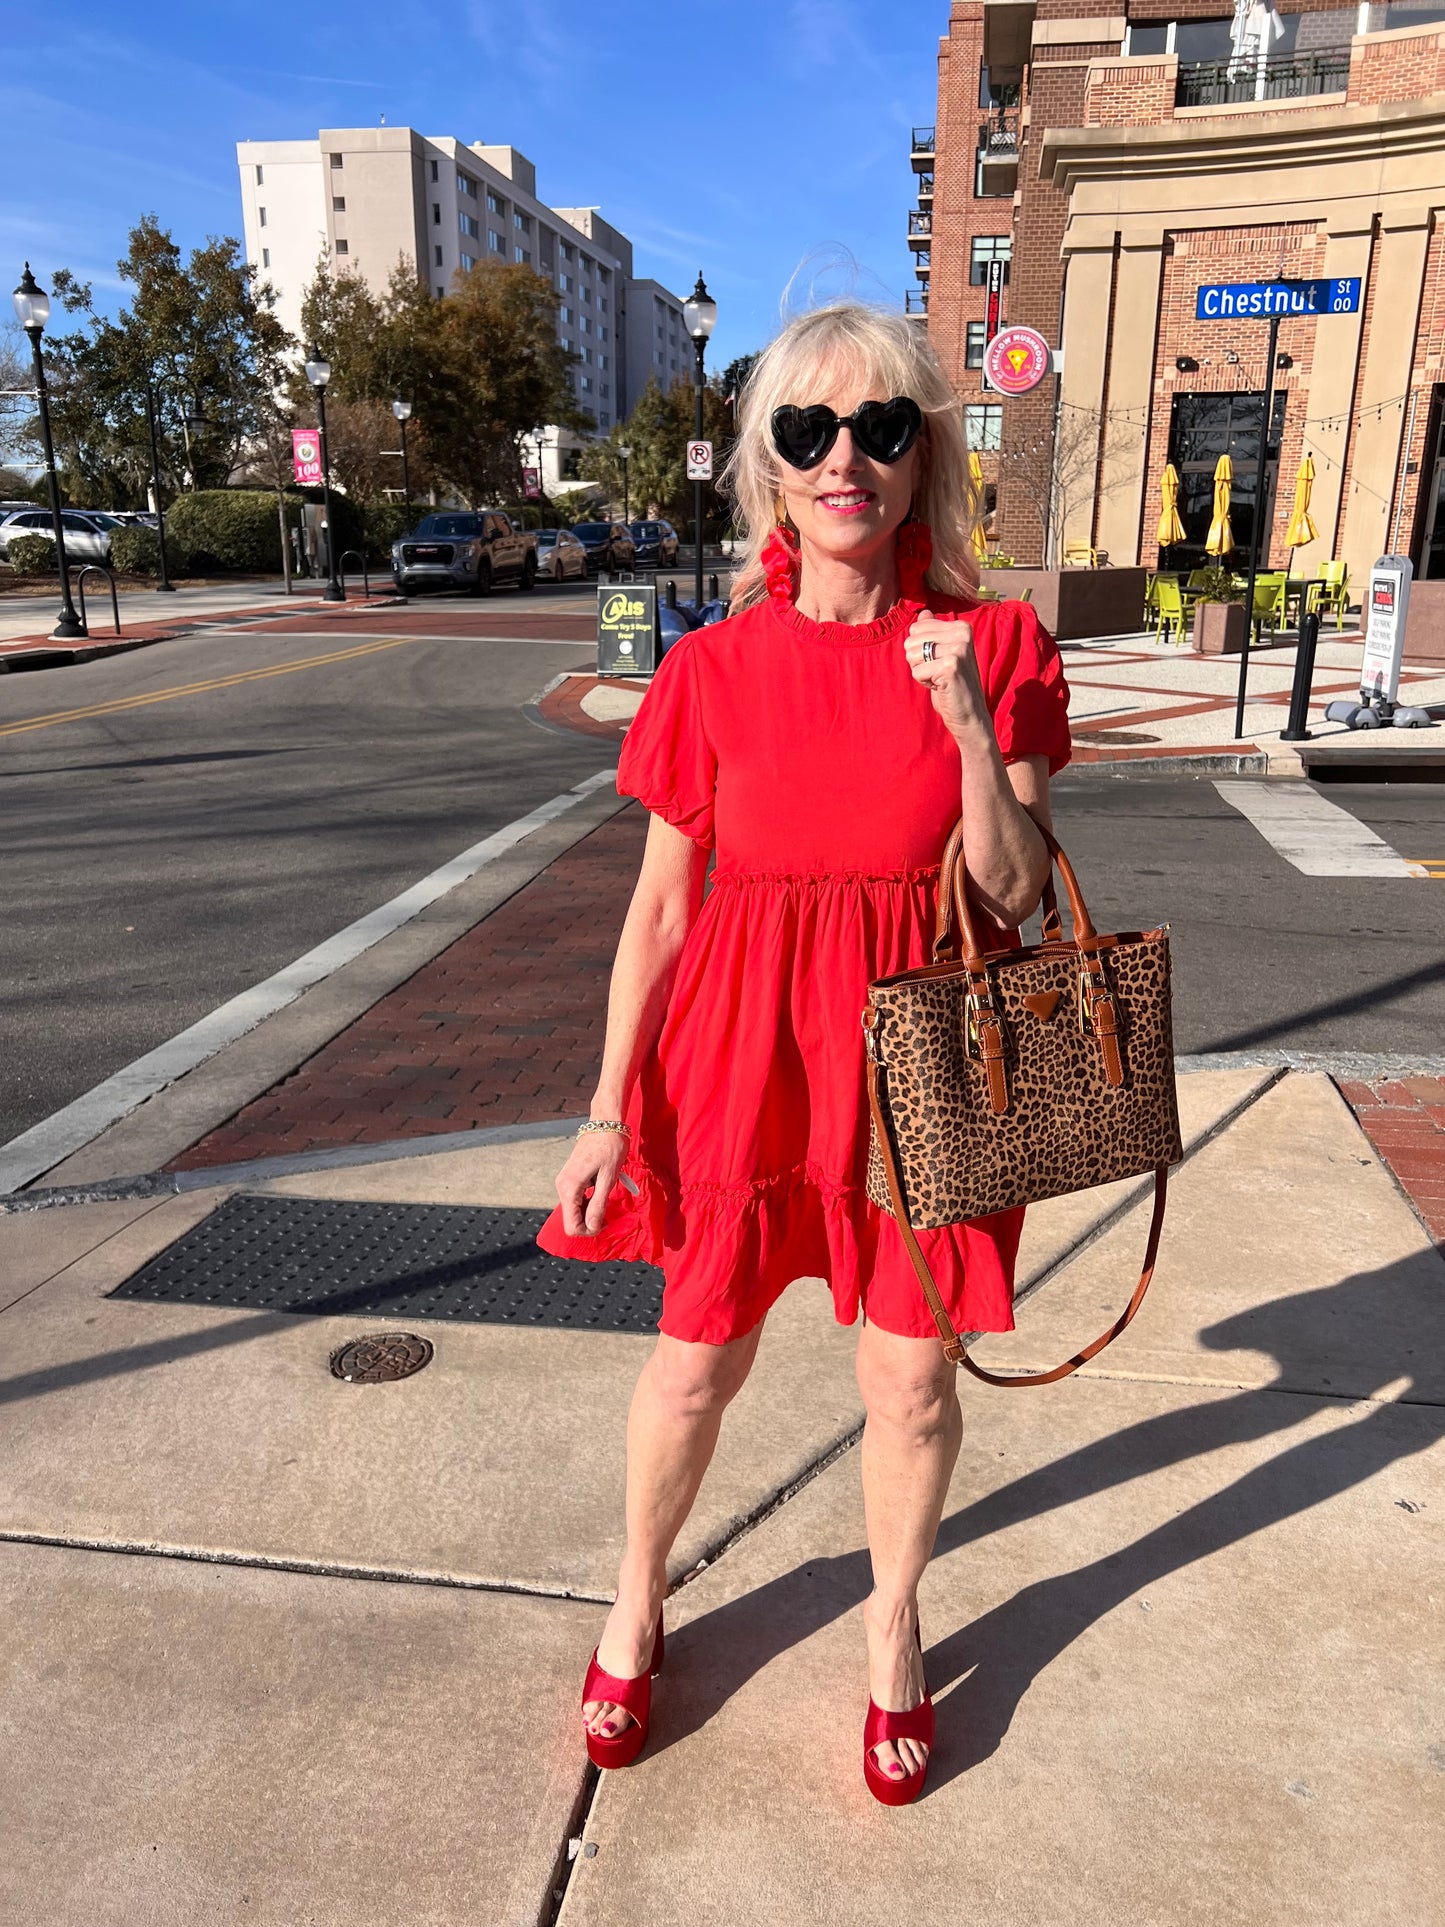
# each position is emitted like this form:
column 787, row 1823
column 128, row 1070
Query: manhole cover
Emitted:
column 380, row 1356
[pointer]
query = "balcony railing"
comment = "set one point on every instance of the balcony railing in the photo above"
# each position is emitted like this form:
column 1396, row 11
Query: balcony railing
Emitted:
column 1225, row 83
column 998, row 153
column 925, row 187
column 915, row 301
column 922, row 149
column 920, row 228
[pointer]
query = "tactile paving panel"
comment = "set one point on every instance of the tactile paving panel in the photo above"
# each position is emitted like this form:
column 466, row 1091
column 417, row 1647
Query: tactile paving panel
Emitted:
column 339, row 1259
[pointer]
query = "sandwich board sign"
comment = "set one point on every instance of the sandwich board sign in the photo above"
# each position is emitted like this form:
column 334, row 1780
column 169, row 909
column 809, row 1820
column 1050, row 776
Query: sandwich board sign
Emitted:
column 628, row 636
column 1386, row 606
column 699, row 461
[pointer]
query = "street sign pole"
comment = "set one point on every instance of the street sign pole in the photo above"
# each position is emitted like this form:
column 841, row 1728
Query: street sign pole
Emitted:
column 1263, row 528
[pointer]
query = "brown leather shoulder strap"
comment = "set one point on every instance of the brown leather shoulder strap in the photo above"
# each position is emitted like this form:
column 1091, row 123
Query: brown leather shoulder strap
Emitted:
column 953, row 1345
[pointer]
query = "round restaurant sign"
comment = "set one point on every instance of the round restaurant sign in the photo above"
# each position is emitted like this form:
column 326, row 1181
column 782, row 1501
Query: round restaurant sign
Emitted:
column 1016, row 360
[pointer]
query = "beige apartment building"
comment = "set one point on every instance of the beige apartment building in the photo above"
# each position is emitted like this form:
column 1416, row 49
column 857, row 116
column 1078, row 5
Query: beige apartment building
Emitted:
column 1118, row 161
column 366, row 197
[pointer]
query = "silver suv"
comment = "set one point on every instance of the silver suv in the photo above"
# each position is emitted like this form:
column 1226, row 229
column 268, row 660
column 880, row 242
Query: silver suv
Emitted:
column 468, row 549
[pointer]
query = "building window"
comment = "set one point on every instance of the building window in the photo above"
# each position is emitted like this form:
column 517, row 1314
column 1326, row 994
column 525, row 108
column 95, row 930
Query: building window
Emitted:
column 602, row 302
column 586, row 325
column 466, row 185
column 602, row 361
column 265, row 257
column 569, row 286
column 983, row 426
column 566, row 314
column 434, row 174
column 338, row 204
column 522, row 257
column 984, row 248
column 569, row 464
column 973, row 352
column 495, row 203
column 470, row 225
column 343, row 247
column 604, row 275
column 604, row 418
column 441, row 294
column 439, row 253
column 436, row 213
column 260, row 175
column 659, row 331
column 587, row 384
column 335, row 161
column 604, row 389
column 566, row 252
column 262, row 213
column 587, row 264
column 469, row 261
column 587, row 356
column 495, row 243
column 522, row 222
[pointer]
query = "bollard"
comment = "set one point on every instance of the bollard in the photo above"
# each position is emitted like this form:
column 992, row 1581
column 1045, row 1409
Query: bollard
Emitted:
column 1294, row 730
column 672, row 595
column 712, row 588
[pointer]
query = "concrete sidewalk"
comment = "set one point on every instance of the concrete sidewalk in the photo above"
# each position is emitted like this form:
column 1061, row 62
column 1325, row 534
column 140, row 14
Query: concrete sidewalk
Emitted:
column 282, row 1648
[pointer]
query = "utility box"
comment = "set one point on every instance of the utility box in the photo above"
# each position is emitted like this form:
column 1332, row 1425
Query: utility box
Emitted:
column 629, row 642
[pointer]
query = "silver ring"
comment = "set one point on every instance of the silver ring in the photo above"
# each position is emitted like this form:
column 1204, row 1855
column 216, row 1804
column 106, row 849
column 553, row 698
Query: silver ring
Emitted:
column 928, row 650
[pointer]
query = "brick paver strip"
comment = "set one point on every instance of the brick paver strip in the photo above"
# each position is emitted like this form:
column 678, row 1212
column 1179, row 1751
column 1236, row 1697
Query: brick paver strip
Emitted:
column 505, row 1027
column 1405, row 1121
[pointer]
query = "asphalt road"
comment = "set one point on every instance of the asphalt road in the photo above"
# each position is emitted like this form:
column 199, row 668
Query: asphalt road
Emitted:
column 172, row 849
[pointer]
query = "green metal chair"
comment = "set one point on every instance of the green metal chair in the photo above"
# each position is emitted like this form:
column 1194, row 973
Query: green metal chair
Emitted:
column 1332, row 591
column 1171, row 606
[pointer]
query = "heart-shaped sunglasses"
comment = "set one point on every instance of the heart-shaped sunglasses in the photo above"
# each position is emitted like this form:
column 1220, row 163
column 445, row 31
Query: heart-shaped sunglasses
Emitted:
column 884, row 430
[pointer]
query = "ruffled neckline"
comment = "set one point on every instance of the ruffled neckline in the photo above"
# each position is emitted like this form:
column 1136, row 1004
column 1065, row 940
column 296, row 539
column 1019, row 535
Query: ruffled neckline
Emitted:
column 780, row 571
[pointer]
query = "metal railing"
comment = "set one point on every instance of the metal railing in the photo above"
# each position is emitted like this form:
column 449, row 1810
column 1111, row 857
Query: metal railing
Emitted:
column 94, row 568
column 925, row 187
column 1225, row 83
column 915, row 302
column 341, row 572
column 923, row 140
column 919, row 222
column 998, row 136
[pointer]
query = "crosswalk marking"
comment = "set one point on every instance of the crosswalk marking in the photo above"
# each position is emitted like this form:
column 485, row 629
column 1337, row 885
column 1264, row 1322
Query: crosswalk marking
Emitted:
column 1318, row 837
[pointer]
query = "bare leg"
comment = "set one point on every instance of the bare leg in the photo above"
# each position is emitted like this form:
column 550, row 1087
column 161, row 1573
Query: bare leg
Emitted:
column 672, row 1429
column 910, row 1445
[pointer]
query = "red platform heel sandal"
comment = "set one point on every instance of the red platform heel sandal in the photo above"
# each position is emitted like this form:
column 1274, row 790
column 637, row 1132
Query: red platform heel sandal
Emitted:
column 634, row 1696
column 915, row 1724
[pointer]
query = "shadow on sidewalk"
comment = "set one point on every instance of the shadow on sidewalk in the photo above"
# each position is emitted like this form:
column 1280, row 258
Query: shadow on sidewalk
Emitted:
column 992, row 1663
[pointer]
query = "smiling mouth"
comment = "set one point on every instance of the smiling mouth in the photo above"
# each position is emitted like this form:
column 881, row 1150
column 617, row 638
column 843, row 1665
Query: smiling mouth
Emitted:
column 848, row 501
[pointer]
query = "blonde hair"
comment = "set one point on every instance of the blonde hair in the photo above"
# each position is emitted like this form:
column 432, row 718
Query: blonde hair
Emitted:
column 888, row 356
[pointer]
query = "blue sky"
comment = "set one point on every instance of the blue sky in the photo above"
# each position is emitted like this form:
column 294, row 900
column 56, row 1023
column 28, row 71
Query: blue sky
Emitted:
column 747, row 139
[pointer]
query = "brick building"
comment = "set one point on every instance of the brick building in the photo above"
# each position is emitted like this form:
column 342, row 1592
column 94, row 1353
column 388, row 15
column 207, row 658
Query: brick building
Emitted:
column 1121, row 162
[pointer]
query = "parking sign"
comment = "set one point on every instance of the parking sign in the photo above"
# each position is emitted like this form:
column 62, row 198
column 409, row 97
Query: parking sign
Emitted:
column 699, row 461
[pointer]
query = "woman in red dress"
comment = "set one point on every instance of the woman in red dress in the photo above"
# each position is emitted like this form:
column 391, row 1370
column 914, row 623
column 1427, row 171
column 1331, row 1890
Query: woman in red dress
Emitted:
column 822, row 742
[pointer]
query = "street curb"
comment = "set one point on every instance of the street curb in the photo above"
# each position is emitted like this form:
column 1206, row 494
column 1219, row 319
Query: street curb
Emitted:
column 179, row 1115
column 1252, row 762
column 19, row 656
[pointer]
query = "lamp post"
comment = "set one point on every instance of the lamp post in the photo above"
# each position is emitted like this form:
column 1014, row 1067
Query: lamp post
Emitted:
column 32, row 307
column 699, row 316
column 624, row 449
column 318, row 373
column 165, row 585
column 402, row 410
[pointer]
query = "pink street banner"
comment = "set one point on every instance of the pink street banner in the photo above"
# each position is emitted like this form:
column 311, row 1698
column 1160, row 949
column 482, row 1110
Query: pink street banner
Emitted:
column 306, row 454
column 531, row 483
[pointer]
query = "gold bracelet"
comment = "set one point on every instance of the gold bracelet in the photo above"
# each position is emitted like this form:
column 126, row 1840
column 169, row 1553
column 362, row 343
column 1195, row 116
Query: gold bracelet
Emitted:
column 604, row 1124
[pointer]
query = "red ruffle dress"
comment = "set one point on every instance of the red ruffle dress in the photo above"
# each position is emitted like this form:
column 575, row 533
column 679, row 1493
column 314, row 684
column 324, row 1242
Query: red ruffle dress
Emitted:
column 806, row 755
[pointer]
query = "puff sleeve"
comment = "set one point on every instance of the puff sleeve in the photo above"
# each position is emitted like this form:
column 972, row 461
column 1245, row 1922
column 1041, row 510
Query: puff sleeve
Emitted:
column 1025, row 688
column 667, row 762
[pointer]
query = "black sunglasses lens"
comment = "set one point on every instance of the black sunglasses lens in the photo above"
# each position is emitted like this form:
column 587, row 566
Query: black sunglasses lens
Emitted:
column 886, row 430
column 803, row 436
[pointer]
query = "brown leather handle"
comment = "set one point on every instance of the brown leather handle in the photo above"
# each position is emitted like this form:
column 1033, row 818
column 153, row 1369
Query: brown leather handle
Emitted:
column 953, row 1346
column 954, row 916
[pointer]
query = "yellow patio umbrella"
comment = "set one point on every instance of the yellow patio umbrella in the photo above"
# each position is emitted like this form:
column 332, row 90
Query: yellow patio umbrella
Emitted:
column 1171, row 529
column 1220, row 539
column 1301, row 528
column 975, row 475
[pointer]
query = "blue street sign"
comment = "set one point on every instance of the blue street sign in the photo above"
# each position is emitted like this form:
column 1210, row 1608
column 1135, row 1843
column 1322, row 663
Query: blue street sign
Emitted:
column 1258, row 300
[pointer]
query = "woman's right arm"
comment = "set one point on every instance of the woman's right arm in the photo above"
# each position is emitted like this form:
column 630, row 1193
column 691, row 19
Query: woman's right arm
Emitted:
column 663, row 909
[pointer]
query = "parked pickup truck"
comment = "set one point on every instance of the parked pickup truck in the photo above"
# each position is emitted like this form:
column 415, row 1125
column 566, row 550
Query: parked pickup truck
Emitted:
column 464, row 549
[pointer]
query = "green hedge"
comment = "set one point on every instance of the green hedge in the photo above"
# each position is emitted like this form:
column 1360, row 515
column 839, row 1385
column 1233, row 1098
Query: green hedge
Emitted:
column 221, row 529
column 385, row 523
column 136, row 550
column 31, row 554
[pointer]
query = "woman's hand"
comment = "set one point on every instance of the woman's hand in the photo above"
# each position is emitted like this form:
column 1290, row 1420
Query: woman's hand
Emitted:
column 586, row 1180
column 950, row 673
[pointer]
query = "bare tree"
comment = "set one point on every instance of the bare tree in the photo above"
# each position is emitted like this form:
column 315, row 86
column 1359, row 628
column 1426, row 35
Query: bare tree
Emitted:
column 1063, row 472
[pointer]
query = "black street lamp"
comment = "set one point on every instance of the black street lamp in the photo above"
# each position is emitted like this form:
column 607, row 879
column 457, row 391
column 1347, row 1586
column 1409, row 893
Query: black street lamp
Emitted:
column 402, row 410
column 624, row 449
column 32, row 306
column 699, row 316
column 165, row 585
column 318, row 373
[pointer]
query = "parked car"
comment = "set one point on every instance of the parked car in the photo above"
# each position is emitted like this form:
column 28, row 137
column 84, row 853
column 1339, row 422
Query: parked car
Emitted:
column 87, row 535
column 560, row 554
column 656, row 542
column 609, row 545
column 133, row 518
column 464, row 549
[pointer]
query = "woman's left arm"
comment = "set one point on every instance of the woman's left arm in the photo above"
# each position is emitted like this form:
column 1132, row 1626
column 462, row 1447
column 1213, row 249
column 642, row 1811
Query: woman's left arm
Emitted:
column 1003, row 804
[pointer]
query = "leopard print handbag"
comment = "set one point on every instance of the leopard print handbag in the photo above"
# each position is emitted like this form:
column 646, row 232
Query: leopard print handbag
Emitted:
column 998, row 1078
